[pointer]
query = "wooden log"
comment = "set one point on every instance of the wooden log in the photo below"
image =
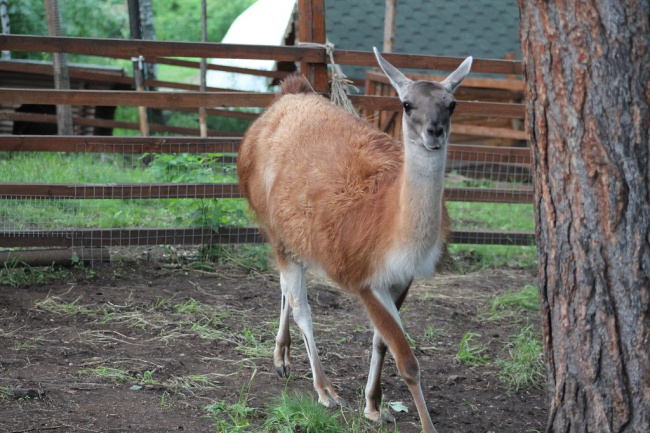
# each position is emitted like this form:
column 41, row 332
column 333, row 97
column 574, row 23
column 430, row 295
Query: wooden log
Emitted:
column 49, row 257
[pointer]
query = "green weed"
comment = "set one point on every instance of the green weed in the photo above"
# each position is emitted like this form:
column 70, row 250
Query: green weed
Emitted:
column 5, row 392
column 117, row 375
column 22, row 346
column 513, row 302
column 433, row 334
column 470, row 352
column 525, row 366
column 190, row 306
column 301, row 412
column 17, row 274
column 234, row 417
column 254, row 347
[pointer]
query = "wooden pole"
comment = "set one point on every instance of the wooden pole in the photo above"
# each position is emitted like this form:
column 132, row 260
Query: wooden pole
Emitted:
column 138, row 65
column 203, row 126
column 389, row 26
column 60, row 68
column 6, row 28
column 311, row 28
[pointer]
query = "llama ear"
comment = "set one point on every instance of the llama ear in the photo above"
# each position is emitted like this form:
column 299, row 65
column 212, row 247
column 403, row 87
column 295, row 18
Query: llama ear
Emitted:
column 397, row 79
column 455, row 78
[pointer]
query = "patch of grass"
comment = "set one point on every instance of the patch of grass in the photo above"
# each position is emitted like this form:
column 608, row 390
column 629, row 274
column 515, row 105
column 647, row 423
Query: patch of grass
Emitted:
column 195, row 381
column 22, row 346
column 17, row 274
column 302, row 412
column 253, row 347
column 433, row 334
column 235, row 417
column 245, row 256
column 56, row 305
column 492, row 216
column 191, row 306
column 514, row 302
column 525, row 366
column 470, row 351
column 117, row 375
column 5, row 392
column 471, row 258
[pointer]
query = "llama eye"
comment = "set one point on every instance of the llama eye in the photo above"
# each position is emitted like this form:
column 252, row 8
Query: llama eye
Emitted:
column 452, row 107
column 407, row 107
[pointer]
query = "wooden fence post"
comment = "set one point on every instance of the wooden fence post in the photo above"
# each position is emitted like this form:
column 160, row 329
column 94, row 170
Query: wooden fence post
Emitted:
column 203, row 126
column 311, row 28
column 138, row 66
column 60, row 68
column 389, row 26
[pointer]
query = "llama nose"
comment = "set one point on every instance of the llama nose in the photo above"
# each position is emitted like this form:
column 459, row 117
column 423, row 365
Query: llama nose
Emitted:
column 435, row 130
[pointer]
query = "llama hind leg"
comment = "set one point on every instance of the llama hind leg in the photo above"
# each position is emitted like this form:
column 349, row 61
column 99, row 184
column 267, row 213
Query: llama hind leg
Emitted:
column 281, row 355
column 294, row 276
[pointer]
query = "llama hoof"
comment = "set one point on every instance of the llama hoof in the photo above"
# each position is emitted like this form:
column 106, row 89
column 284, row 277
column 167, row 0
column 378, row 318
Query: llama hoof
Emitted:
column 331, row 400
column 283, row 371
column 381, row 417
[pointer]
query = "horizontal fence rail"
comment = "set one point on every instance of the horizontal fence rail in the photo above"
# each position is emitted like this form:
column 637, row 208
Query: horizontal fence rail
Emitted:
column 121, row 48
column 213, row 190
column 223, row 99
column 190, row 236
column 139, row 145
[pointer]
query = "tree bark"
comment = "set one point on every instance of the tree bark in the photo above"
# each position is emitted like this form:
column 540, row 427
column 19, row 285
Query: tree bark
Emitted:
column 587, row 79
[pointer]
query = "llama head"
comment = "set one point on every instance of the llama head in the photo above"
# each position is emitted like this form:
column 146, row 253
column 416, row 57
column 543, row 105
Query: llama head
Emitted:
column 428, row 105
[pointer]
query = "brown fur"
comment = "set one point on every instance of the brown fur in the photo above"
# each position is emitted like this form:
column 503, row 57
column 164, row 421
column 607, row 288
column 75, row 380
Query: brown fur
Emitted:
column 335, row 195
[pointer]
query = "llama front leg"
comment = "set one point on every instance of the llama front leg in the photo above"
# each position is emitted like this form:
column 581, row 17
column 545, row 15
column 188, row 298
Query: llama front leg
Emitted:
column 385, row 316
column 294, row 275
column 281, row 355
column 373, row 387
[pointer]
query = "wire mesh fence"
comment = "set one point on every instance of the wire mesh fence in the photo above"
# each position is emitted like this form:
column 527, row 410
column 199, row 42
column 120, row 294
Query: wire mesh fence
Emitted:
column 164, row 191
column 89, row 192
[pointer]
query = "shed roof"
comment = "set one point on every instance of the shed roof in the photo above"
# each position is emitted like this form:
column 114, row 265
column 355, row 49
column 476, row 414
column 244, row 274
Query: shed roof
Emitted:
column 480, row 28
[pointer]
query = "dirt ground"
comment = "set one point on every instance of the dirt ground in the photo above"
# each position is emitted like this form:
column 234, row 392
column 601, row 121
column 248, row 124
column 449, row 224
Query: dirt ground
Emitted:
column 146, row 344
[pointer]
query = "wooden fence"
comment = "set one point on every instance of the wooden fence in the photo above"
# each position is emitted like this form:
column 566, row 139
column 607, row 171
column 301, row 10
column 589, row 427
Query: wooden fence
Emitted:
column 497, row 159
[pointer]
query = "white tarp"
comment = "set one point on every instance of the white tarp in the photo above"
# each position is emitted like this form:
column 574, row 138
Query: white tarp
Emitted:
column 265, row 22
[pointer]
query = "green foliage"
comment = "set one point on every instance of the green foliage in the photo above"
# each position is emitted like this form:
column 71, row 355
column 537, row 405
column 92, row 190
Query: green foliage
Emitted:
column 233, row 417
column 492, row 216
column 470, row 258
column 177, row 20
column 469, row 352
column 513, row 302
column 300, row 412
column 17, row 274
column 244, row 256
column 525, row 365
column 81, row 18
column 117, row 375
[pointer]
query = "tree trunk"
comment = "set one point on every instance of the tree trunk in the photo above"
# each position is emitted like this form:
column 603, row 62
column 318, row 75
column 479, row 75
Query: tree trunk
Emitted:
column 588, row 94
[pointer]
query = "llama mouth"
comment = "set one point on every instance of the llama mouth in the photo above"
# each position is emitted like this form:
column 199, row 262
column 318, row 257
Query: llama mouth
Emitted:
column 432, row 148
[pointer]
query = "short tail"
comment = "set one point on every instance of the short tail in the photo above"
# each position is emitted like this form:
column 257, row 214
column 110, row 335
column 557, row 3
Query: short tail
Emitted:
column 294, row 84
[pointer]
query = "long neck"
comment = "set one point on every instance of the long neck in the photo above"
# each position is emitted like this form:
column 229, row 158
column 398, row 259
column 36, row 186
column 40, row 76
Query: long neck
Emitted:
column 421, row 192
